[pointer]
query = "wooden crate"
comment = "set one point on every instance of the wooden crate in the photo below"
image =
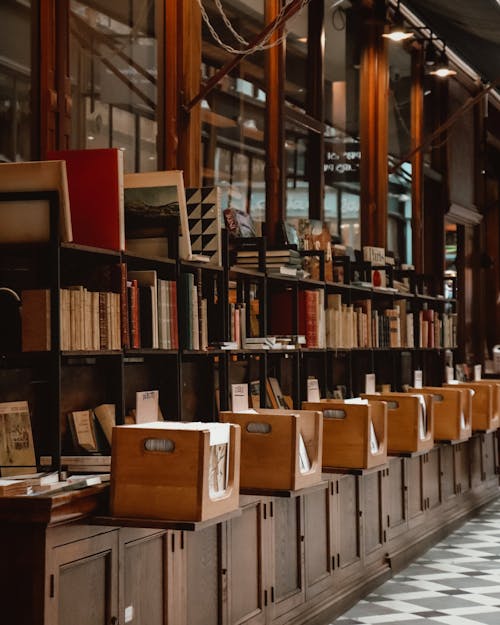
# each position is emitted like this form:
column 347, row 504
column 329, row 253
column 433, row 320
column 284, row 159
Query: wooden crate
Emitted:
column 173, row 484
column 485, row 403
column 452, row 412
column 270, row 448
column 403, row 427
column 347, row 433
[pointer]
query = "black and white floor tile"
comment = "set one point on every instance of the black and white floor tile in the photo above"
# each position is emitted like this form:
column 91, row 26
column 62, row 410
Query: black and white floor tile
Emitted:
column 457, row 582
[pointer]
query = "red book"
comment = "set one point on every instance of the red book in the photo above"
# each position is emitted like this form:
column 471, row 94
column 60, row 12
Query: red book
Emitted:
column 95, row 183
column 311, row 318
column 134, row 314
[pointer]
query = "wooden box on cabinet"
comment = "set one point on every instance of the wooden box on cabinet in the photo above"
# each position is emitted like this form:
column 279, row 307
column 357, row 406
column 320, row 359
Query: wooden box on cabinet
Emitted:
column 485, row 403
column 161, row 472
column 409, row 428
column 452, row 412
column 270, row 445
column 347, row 433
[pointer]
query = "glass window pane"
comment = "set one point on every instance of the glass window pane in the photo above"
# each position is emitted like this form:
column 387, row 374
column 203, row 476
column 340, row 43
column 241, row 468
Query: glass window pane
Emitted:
column 399, row 199
column 15, row 82
column 296, row 59
column 113, row 66
column 233, row 114
column 297, row 185
column 342, row 52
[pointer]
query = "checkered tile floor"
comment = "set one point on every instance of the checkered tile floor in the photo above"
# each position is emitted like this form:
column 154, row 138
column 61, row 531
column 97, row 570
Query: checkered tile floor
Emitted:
column 457, row 582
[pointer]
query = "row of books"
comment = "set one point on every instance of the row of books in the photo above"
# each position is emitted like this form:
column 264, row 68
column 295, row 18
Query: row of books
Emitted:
column 194, row 326
column 359, row 326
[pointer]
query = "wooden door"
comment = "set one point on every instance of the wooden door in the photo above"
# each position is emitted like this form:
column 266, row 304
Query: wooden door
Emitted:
column 84, row 582
column 462, row 467
column 374, row 522
column 206, row 576
column 143, row 579
column 447, row 472
column 415, row 491
column 348, row 528
column 248, row 595
column 431, row 479
column 489, row 456
column 319, row 556
column 397, row 500
column 287, row 588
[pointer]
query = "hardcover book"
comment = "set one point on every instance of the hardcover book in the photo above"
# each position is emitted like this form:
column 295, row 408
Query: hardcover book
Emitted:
column 159, row 198
column 16, row 439
column 95, row 182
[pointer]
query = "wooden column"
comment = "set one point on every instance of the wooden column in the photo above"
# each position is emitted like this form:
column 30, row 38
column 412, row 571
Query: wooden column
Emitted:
column 315, row 108
column 274, row 133
column 188, row 71
column 168, row 104
column 373, row 126
column 44, row 65
column 417, row 123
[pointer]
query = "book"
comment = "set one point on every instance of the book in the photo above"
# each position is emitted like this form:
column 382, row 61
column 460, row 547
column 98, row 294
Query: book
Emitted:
column 81, row 423
column 147, row 406
column 239, row 397
column 106, row 417
column 95, row 184
column 203, row 212
column 35, row 320
column 160, row 196
column 16, row 439
column 147, row 283
column 29, row 221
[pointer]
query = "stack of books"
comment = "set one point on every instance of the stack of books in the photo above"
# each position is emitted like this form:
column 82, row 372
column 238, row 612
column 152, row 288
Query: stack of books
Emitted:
column 285, row 262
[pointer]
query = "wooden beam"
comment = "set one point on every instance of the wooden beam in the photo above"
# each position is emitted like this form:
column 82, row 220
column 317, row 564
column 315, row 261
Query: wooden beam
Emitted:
column 274, row 133
column 373, row 126
column 417, row 125
column 315, row 108
column 169, row 48
column 188, row 83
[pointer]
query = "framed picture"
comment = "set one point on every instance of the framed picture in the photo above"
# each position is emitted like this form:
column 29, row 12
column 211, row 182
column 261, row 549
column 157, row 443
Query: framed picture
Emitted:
column 156, row 196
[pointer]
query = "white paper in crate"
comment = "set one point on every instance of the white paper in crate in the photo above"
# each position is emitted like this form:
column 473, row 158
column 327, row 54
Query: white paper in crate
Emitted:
column 219, row 449
column 374, row 446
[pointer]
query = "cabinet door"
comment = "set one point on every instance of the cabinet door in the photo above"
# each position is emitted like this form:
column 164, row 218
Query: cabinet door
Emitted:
column 373, row 520
column 143, row 579
column 84, row 582
column 203, row 582
column 287, row 589
column 476, row 460
column 489, row 454
column 319, row 557
column 248, row 596
column 415, row 491
column 397, row 501
column 431, row 479
column 348, row 528
column 447, row 472
column 462, row 467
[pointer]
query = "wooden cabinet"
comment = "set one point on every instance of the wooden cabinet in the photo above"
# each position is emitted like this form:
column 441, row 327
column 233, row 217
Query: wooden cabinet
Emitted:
column 431, row 478
column 374, row 517
column 83, row 581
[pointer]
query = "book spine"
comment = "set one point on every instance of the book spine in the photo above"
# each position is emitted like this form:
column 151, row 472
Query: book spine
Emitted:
column 174, row 318
column 124, row 321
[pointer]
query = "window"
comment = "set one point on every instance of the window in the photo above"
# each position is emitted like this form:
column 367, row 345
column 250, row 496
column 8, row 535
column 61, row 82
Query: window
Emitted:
column 233, row 114
column 399, row 206
column 15, row 81
column 113, row 66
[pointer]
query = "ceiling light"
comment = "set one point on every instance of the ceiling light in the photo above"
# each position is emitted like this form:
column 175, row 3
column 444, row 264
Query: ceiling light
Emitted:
column 397, row 31
column 442, row 69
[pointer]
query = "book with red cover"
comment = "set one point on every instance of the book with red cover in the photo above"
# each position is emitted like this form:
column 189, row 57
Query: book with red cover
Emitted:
column 95, row 183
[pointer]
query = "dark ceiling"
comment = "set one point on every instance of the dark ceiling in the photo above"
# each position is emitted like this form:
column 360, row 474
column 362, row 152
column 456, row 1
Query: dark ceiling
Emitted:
column 471, row 28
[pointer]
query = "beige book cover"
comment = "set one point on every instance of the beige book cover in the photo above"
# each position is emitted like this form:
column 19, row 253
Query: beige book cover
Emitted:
column 16, row 439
